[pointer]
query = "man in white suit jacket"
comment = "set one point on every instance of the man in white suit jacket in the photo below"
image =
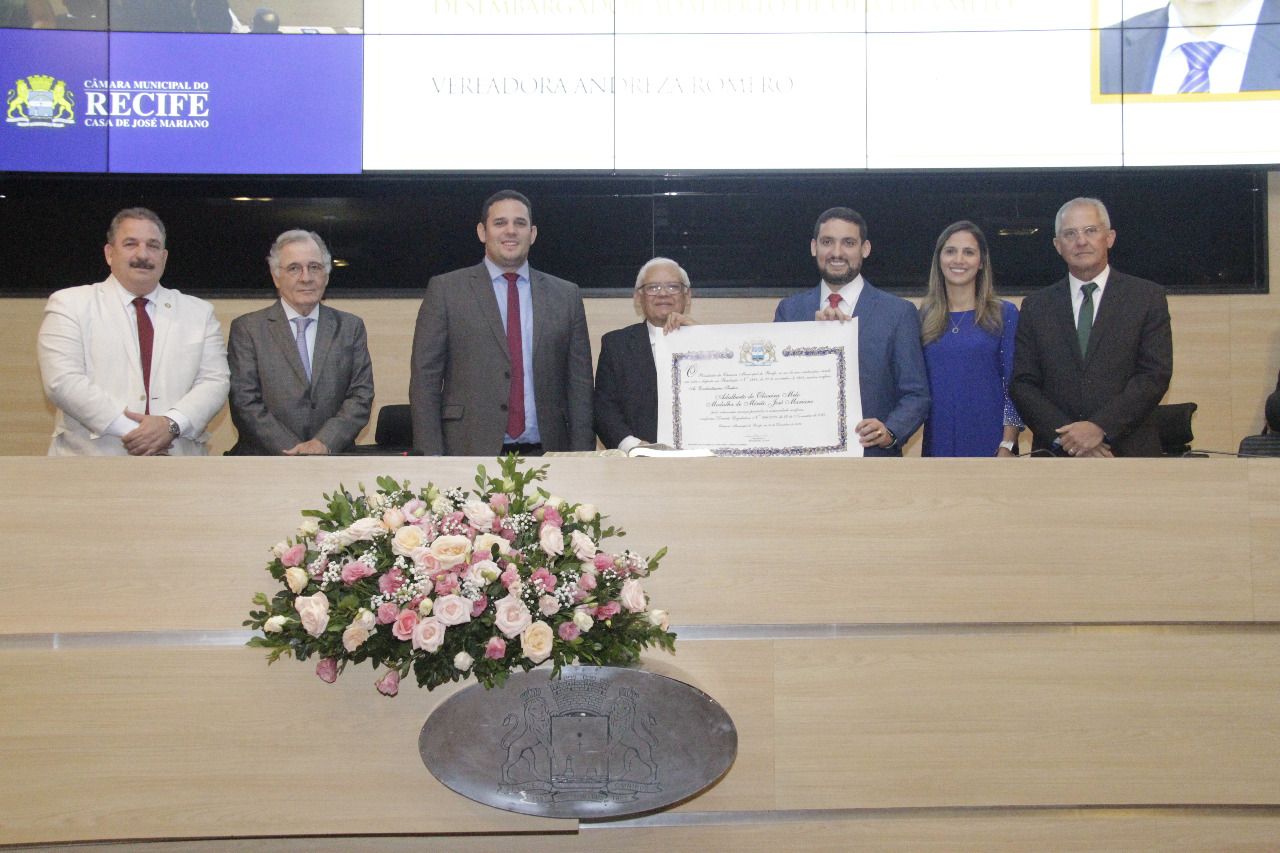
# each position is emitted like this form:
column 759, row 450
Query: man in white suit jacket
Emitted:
column 91, row 364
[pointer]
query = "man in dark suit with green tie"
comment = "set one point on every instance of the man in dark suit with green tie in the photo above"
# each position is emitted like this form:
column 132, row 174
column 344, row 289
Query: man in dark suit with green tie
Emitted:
column 1094, row 352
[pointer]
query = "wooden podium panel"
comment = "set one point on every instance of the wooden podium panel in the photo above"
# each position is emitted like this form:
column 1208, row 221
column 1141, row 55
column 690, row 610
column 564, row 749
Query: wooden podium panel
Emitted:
column 883, row 540
column 917, row 654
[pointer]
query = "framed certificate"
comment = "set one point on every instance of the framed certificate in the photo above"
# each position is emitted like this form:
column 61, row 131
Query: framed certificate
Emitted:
column 760, row 389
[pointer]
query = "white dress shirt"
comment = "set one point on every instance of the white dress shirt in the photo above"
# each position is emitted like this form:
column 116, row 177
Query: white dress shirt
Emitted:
column 1227, row 69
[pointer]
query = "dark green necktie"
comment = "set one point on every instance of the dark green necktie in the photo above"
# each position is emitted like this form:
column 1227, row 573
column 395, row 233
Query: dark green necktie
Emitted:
column 1085, row 324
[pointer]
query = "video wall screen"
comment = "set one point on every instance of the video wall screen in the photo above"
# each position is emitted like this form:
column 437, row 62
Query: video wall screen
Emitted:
column 646, row 85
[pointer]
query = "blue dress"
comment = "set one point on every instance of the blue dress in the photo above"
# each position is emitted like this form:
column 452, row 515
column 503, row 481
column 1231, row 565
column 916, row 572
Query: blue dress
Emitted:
column 969, row 372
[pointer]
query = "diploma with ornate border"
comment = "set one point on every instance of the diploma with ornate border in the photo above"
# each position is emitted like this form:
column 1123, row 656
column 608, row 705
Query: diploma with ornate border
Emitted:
column 760, row 389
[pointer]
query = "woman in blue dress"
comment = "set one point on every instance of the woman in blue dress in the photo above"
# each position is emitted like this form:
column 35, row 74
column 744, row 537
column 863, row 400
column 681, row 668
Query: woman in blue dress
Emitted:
column 967, row 332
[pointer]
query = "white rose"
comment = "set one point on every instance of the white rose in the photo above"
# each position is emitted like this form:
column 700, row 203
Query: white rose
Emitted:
column 425, row 606
column 510, row 616
column 393, row 519
column 365, row 619
column 428, row 635
column 441, row 505
column 485, row 541
column 583, row 548
column 308, row 528
column 408, row 539
column 583, row 620
column 485, row 570
column 339, row 539
column 376, row 501
column 552, row 540
column 462, row 661
column 278, row 549
column 354, row 637
column 554, row 502
column 449, row 551
column 275, row 624
column 536, row 641
column 586, row 513
column 659, row 618
column 314, row 611
column 365, row 528
column 548, row 605
column 479, row 513
column 452, row 609
column 297, row 579
column 632, row 596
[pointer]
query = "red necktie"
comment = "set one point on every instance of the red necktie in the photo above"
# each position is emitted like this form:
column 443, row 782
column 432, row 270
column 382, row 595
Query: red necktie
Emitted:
column 515, row 348
column 833, row 299
column 146, row 335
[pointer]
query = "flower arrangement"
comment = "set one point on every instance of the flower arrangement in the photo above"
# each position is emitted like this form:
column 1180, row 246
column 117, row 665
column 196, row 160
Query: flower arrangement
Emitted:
column 449, row 583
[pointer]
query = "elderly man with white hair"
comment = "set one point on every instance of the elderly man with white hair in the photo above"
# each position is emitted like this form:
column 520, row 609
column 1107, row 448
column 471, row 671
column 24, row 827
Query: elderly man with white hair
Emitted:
column 626, row 395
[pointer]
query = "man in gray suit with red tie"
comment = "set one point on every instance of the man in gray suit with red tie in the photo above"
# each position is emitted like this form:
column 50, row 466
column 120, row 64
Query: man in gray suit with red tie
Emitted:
column 301, row 378
column 1094, row 352
column 501, row 358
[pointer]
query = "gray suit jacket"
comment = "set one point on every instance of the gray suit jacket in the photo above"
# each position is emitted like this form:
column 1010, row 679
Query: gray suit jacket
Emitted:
column 272, row 404
column 460, row 374
column 1130, row 53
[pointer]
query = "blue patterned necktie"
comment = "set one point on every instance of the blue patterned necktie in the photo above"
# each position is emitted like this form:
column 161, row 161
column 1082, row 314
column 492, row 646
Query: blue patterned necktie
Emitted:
column 302, row 323
column 1200, row 55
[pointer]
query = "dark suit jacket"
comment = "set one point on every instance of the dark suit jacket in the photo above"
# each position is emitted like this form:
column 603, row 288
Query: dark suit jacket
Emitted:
column 460, row 374
column 272, row 404
column 1116, row 386
column 891, row 373
column 1130, row 52
column 626, row 399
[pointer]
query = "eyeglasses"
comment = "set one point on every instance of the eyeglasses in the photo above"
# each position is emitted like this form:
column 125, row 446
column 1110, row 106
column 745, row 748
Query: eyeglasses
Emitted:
column 295, row 269
column 663, row 287
column 1089, row 231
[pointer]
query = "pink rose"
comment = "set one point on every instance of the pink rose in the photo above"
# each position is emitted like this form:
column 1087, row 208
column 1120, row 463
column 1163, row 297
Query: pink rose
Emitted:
column 391, row 582
column 603, row 561
column 327, row 669
column 294, row 556
column 548, row 605
column 387, row 613
column 510, row 616
column 568, row 631
column 507, row 534
column 389, row 684
column 510, row 576
column 354, row 571
column 632, row 596
column 587, row 581
column 583, row 548
column 543, row 578
column 313, row 610
column 393, row 519
column 446, row 584
column 452, row 609
column 405, row 622
column 495, row 649
column 478, row 606
column 500, row 503
column 479, row 514
column 605, row 611
column 428, row 635
column 415, row 510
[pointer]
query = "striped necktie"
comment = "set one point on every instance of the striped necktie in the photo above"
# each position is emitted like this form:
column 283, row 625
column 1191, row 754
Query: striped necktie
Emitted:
column 1200, row 55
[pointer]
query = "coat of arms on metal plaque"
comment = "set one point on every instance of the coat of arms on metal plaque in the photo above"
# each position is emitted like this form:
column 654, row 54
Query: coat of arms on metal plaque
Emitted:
column 598, row 742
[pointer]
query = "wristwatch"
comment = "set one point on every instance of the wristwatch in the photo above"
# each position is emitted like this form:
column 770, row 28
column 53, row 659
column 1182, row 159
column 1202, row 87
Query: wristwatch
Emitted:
column 174, row 429
column 1009, row 446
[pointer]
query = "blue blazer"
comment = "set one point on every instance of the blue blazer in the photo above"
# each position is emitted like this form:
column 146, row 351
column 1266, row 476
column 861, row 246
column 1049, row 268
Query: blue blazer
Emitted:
column 891, row 372
column 1130, row 53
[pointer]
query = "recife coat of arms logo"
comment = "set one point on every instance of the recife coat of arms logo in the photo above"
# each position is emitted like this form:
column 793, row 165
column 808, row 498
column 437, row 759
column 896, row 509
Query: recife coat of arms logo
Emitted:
column 40, row 101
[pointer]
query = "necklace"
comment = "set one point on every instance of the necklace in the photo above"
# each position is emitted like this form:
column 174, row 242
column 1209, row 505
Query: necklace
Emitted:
column 955, row 327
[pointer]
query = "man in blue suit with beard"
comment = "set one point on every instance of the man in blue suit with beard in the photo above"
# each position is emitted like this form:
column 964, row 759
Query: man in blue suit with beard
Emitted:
column 1194, row 46
column 891, row 372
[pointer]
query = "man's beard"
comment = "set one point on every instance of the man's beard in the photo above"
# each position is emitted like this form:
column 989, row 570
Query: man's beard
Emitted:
column 839, row 280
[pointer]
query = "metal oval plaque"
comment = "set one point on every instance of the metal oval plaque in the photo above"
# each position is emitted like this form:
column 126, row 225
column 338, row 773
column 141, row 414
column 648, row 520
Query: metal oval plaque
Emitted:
column 598, row 742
